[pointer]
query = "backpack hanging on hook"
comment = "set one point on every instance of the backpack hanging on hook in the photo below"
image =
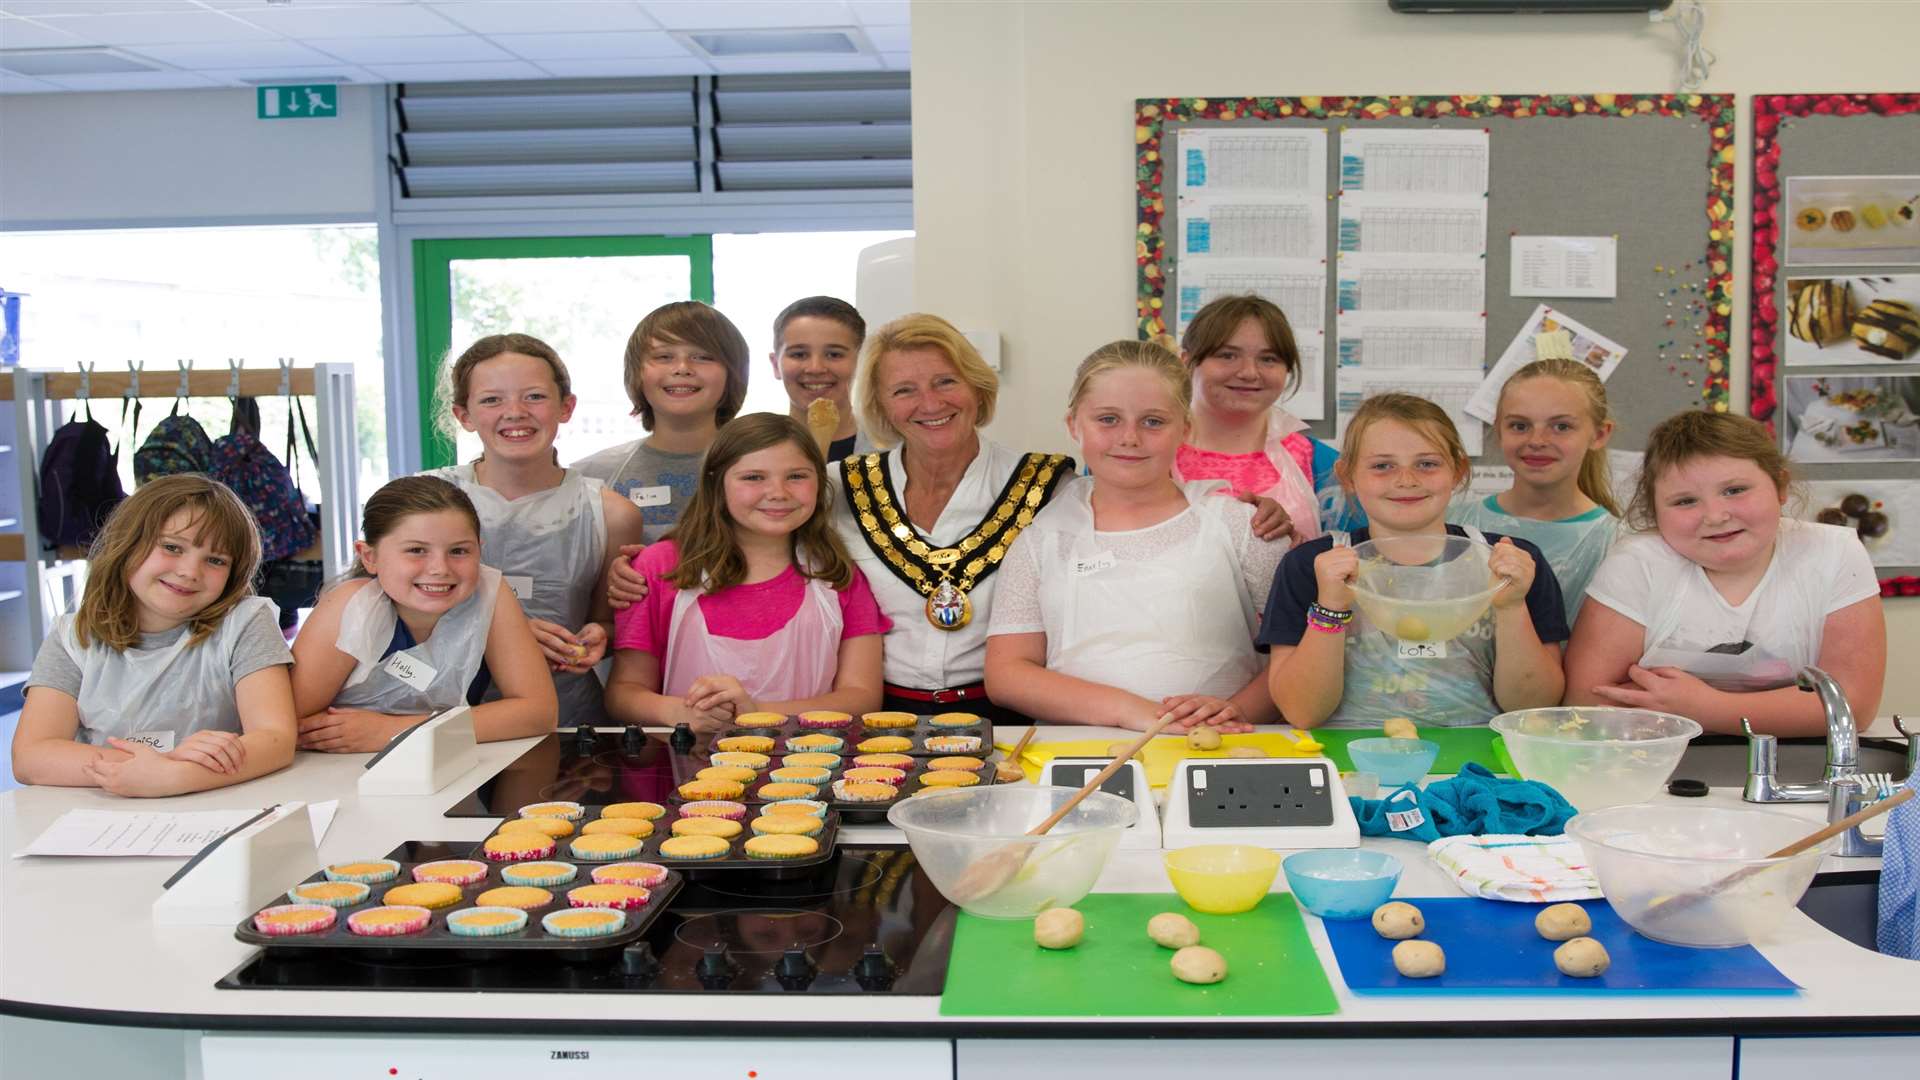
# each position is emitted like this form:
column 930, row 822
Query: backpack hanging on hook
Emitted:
column 79, row 476
column 177, row 444
column 242, row 462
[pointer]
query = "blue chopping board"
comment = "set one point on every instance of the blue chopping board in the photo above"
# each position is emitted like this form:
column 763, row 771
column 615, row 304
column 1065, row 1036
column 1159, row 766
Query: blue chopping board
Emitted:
column 1492, row 948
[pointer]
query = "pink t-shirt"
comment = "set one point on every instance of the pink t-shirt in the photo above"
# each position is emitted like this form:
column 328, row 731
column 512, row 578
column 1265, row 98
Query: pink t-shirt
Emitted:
column 1247, row 474
column 743, row 612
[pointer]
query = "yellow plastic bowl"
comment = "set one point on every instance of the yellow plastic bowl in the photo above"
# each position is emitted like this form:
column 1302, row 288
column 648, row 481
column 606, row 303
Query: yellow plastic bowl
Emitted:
column 1222, row 879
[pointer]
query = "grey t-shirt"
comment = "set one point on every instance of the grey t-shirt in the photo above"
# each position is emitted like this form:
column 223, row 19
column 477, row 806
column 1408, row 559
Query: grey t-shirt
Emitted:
column 657, row 482
column 261, row 645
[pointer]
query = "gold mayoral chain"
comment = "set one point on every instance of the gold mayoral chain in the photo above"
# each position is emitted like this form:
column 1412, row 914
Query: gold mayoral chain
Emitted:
column 929, row 569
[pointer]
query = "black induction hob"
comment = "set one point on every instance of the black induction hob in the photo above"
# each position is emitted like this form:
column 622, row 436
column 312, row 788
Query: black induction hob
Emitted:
column 590, row 766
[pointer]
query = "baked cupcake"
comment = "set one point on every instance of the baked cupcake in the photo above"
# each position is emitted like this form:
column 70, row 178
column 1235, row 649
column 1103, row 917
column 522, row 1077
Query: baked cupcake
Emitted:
column 605, row 847
column 365, row 871
column 712, row 789
column 694, row 848
column 882, row 720
column 752, row 761
column 759, row 720
column 948, row 778
column 584, row 923
column 781, row 847
column 523, row 897
column 801, row 774
column 968, row 763
column 788, row 825
column 639, row 828
column 825, row 718
column 617, row 897
column 489, row 921
column 572, row 811
column 721, row 808
column 883, row 761
column 875, row 775
column 855, row 791
column 554, row 827
column 954, row 720
column 813, row 808
column 431, row 895
column 518, row 845
column 286, row 920
column 885, row 744
column 744, row 744
column 781, row 792
column 728, row 774
column 645, row 811
column 539, row 873
column 724, row 828
column 818, row 741
column 451, row 871
column 953, row 744
column 334, row 894
column 644, row 874
column 389, row 921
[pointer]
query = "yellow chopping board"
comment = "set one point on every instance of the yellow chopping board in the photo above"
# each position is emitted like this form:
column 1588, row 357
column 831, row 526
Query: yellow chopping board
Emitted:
column 1164, row 754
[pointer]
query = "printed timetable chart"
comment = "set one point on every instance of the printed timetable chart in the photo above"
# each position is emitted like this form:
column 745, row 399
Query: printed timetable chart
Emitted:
column 1408, row 340
column 1289, row 163
column 1390, row 226
column 1251, row 230
column 1298, row 287
column 1450, row 390
column 1406, row 287
column 1436, row 162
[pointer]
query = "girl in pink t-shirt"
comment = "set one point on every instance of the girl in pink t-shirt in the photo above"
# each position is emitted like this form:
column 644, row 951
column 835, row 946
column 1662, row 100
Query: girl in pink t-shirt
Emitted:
column 752, row 602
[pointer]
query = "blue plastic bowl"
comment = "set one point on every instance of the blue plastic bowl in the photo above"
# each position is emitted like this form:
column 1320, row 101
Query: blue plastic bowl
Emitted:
column 1394, row 761
column 1342, row 883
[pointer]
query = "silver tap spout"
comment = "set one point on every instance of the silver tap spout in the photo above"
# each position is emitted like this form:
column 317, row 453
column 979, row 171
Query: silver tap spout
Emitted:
column 1843, row 738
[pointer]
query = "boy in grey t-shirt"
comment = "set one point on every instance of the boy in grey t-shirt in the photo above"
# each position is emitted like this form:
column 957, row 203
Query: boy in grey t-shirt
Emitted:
column 659, row 482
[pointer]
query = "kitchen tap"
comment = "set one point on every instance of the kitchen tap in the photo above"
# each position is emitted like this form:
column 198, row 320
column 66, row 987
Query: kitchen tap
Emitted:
column 1843, row 748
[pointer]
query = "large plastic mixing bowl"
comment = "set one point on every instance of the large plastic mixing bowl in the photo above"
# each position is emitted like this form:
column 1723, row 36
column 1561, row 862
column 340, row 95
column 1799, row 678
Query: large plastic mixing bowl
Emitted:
column 953, row 830
column 1424, row 588
column 1596, row 756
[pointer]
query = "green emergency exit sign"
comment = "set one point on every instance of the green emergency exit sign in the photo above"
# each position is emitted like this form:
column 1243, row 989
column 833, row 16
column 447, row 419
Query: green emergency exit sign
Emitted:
column 301, row 102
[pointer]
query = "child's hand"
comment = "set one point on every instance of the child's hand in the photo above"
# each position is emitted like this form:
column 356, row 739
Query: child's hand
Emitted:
column 1270, row 520
column 1196, row 710
column 1333, row 572
column 566, row 650
column 1662, row 689
column 1508, row 561
column 221, row 751
column 350, row 731
column 593, row 648
column 144, row 773
column 625, row 585
column 711, row 692
column 705, row 721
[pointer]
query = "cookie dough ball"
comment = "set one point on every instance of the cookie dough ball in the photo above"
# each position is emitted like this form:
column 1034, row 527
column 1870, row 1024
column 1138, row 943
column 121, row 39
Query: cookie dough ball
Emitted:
column 1172, row 930
column 1203, row 738
column 1562, row 922
column 1058, row 928
column 1397, row 920
column 1199, row 964
column 1119, row 749
column 1419, row 959
column 1411, row 628
column 1582, row 958
column 1245, row 751
column 1399, row 728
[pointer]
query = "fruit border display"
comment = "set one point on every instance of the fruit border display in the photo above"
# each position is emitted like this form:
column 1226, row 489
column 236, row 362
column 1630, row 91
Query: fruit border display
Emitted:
column 1769, row 189
column 1716, row 110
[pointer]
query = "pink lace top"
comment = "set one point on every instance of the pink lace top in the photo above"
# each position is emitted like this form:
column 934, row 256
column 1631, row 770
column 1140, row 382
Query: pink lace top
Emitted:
column 1246, row 473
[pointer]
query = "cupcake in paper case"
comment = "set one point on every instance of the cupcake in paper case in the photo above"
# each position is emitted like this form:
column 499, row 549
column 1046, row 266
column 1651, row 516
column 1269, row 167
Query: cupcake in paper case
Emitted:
column 876, row 721
column 423, row 894
column 788, row 825
column 818, row 741
column 782, row 792
column 584, row 923
column 645, row 811
column 724, row 828
column 953, row 744
column 954, row 720
column 522, row 897
column 644, row 874
column 776, row 847
column 712, row 789
column 539, row 873
column 557, row 828
column 801, row 774
column 875, row 775
column 798, row 807
column 365, row 871
column 451, row 871
column 617, row 897
column 744, row 744
column 603, row 847
column 334, row 894
column 730, row 774
column 885, row 744
column 389, row 921
column 286, row 920
column 969, row 764
column 883, row 761
column 948, row 778
column 759, row 720
column 722, row 808
column 694, row 848
column 869, row 791
column 812, row 759
column 572, row 811
column 825, row 718
column 752, row 761
column 639, row 828
column 518, row 845
column 488, row 921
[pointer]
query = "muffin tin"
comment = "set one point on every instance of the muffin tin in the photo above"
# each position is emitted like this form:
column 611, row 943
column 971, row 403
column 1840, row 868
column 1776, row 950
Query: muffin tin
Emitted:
column 437, row 941
column 735, row 859
column 855, row 732
column 685, row 765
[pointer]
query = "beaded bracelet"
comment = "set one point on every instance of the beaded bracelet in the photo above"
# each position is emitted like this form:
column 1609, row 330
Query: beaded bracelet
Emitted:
column 1328, row 614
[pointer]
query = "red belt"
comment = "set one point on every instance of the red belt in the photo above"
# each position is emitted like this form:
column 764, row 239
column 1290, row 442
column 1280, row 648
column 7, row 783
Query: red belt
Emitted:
column 975, row 692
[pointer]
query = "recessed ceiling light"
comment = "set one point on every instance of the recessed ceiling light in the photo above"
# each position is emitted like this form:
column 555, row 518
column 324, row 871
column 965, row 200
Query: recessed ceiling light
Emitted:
column 69, row 62
column 733, row 43
column 282, row 80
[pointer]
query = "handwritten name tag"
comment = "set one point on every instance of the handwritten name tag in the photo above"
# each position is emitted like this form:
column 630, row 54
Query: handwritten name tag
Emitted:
column 1420, row 650
column 521, row 585
column 1102, row 561
column 411, row 670
column 162, row 741
column 651, row 496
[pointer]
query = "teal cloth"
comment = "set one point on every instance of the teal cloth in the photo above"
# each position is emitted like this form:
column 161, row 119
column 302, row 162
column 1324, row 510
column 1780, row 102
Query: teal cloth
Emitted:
column 1474, row 803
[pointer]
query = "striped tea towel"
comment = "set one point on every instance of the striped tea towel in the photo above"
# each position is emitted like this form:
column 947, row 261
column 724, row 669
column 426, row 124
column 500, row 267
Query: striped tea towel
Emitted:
column 1525, row 869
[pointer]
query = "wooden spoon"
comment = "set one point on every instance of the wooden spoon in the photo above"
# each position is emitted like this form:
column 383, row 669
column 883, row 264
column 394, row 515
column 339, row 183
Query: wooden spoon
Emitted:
column 991, row 872
column 1010, row 771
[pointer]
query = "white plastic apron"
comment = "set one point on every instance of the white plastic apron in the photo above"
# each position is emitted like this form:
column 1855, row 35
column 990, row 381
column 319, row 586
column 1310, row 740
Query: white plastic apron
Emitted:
column 1294, row 490
column 1573, row 549
column 160, row 696
column 1181, row 623
column 1453, row 689
column 452, row 654
column 797, row 661
column 551, row 546
column 1753, row 669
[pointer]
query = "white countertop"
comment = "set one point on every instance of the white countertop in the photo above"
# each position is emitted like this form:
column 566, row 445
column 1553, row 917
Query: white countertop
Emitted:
column 77, row 941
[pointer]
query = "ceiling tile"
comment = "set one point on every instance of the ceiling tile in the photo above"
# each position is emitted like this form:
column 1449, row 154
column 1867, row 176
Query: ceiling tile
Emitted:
column 369, row 20
column 234, row 54
column 780, row 65
column 32, row 8
column 413, row 50
column 882, row 12
column 624, row 69
column 508, row 69
column 135, row 80
column 889, row 39
column 156, row 28
column 555, row 16
column 20, row 84
column 21, row 34
column 637, row 44
column 748, row 14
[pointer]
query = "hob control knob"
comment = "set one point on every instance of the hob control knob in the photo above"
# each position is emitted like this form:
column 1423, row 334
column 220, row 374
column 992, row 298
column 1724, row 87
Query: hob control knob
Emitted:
column 874, row 970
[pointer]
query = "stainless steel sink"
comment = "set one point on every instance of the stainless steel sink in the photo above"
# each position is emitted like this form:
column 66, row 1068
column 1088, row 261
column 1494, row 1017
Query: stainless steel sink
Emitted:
column 1847, row 903
column 1721, row 760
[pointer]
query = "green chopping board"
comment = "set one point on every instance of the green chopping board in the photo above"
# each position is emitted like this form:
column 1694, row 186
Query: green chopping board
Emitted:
column 997, row 970
column 1457, row 747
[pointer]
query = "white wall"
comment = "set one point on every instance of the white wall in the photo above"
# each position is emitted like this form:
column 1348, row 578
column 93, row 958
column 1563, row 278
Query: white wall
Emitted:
column 183, row 157
column 1023, row 140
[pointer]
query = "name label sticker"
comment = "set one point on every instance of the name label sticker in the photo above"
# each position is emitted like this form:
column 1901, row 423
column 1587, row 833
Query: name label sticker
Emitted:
column 1420, row 650
column 1102, row 561
column 659, row 495
column 411, row 670
column 521, row 585
column 161, row 741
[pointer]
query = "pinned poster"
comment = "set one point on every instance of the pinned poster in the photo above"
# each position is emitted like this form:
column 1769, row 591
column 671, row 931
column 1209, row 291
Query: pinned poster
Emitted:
column 1584, row 266
column 1243, row 162
column 1586, row 345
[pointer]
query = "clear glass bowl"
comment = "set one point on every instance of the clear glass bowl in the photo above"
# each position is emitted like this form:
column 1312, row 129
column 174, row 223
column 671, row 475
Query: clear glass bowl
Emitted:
column 952, row 830
column 1669, row 871
column 1424, row 588
column 1596, row 756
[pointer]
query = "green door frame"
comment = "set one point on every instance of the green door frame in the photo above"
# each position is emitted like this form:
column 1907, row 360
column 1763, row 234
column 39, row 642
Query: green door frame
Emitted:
column 433, row 298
